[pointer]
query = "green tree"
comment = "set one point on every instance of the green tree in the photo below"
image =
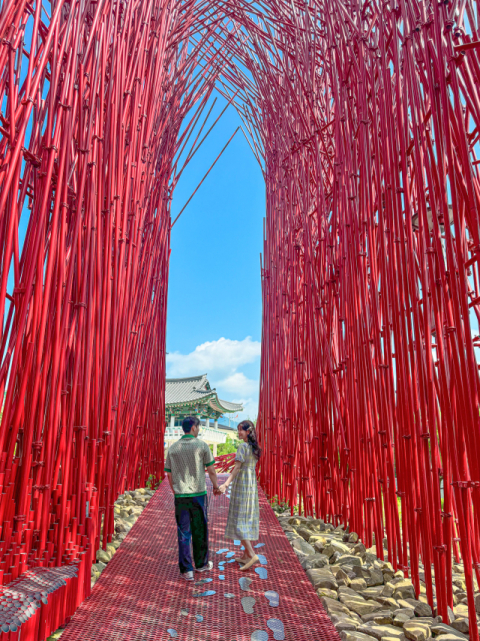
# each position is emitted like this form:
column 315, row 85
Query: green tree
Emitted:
column 229, row 447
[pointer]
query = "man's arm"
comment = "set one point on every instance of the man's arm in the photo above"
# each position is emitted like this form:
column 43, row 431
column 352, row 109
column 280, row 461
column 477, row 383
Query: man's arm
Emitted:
column 212, row 473
column 168, row 469
column 169, row 476
column 209, row 463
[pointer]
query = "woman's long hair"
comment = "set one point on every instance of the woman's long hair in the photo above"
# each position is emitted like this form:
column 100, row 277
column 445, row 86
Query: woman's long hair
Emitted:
column 249, row 427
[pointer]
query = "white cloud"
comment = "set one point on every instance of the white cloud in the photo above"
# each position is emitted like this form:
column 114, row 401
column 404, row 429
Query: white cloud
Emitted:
column 250, row 408
column 238, row 383
column 223, row 355
column 221, row 360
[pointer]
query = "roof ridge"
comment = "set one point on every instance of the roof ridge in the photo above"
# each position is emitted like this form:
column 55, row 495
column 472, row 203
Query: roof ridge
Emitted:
column 190, row 389
column 184, row 380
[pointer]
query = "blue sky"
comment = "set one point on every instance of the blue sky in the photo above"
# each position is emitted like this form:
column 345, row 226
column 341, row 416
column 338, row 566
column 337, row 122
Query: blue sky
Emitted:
column 214, row 299
column 214, row 303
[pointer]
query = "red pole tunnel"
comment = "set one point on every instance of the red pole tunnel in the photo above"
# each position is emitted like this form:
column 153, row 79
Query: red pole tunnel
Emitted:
column 365, row 119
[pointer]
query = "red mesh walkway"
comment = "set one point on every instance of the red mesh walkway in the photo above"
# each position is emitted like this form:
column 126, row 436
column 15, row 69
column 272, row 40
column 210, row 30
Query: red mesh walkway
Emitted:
column 140, row 595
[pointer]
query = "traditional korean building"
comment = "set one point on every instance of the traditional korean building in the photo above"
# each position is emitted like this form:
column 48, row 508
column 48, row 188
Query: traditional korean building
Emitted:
column 193, row 396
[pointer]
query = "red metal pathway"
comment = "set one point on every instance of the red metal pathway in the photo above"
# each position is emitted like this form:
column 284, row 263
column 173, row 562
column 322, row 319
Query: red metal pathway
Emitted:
column 140, row 595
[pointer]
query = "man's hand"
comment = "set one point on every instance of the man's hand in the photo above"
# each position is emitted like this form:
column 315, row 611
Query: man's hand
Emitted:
column 212, row 473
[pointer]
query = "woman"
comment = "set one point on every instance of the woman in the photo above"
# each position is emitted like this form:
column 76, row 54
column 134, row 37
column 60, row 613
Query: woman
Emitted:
column 243, row 512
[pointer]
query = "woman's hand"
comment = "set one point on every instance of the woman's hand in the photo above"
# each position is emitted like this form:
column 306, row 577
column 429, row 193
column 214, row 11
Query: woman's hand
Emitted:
column 223, row 488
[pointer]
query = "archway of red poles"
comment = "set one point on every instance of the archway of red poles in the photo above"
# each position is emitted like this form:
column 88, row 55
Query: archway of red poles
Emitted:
column 365, row 120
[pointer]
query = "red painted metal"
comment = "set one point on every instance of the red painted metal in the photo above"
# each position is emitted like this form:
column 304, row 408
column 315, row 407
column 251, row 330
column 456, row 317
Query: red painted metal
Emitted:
column 225, row 462
column 365, row 119
column 140, row 593
column 369, row 401
column 37, row 603
column 93, row 99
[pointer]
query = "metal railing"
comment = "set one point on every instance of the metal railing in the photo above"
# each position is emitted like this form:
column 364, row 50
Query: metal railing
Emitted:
column 208, row 434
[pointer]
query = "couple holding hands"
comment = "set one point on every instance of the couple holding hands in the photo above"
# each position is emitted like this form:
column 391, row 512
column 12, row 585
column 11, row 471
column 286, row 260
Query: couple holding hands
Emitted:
column 185, row 465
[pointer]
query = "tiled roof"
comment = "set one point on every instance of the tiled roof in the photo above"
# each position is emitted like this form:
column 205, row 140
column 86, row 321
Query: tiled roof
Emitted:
column 181, row 390
column 196, row 388
column 226, row 428
column 219, row 405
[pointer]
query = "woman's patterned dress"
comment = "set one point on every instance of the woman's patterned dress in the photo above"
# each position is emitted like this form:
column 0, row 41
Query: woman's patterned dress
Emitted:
column 243, row 513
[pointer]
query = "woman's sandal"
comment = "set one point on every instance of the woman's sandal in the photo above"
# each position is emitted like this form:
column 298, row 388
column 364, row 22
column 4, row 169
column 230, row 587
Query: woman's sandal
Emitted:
column 248, row 565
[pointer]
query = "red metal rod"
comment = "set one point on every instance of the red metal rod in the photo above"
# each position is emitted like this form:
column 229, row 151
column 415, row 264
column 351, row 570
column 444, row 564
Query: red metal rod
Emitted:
column 365, row 119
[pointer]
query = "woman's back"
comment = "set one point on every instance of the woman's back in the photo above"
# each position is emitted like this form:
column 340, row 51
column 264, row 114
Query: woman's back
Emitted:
column 243, row 514
column 248, row 458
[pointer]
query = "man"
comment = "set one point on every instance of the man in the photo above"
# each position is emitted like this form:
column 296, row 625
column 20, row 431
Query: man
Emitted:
column 185, row 466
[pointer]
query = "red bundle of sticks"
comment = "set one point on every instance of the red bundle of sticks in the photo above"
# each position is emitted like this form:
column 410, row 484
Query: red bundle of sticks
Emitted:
column 365, row 120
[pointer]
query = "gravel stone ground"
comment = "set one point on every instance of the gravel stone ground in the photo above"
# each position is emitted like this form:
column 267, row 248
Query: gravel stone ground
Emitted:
column 365, row 598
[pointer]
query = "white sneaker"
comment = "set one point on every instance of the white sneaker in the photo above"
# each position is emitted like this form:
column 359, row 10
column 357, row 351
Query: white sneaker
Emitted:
column 206, row 568
column 188, row 576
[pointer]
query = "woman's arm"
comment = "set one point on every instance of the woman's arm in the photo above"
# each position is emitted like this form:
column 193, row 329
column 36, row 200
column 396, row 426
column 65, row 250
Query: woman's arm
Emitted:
column 235, row 472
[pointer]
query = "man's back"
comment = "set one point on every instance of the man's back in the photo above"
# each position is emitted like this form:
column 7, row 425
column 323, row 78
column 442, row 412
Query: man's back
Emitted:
column 185, row 466
column 186, row 460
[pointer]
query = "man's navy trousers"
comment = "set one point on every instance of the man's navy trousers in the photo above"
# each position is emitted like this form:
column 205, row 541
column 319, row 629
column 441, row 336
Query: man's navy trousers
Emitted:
column 191, row 513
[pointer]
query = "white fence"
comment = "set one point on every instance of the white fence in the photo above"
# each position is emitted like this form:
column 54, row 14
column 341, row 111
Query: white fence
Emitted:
column 208, row 434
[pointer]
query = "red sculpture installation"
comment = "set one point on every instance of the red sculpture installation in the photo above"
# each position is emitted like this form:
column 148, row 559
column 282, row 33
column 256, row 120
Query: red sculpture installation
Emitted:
column 93, row 97
column 369, row 407
column 365, row 120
